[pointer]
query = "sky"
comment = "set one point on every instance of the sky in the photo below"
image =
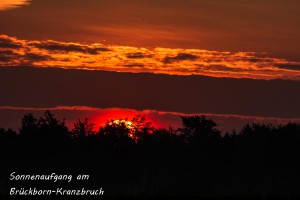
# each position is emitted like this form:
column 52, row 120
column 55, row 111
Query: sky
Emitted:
column 235, row 60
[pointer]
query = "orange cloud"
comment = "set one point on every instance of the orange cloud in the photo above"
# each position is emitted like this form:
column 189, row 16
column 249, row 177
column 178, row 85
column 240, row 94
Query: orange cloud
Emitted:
column 174, row 61
column 10, row 4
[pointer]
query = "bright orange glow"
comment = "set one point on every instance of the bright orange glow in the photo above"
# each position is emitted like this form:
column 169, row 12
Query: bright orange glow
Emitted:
column 97, row 56
column 9, row 4
column 127, row 123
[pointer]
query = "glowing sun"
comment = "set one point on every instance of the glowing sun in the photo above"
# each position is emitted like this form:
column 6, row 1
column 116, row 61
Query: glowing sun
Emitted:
column 128, row 124
column 9, row 4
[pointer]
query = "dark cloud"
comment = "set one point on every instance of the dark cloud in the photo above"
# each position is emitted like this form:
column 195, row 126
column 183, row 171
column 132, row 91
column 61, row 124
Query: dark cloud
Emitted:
column 4, row 58
column 289, row 66
column 32, row 57
column 67, row 47
column 8, row 43
column 144, row 91
column 137, row 55
column 220, row 68
column 252, row 60
column 6, row 52
column 60, row 47
column 97, row 50
column 179, row 57
column 7, row 56
column 255, row 59
column 134, row 65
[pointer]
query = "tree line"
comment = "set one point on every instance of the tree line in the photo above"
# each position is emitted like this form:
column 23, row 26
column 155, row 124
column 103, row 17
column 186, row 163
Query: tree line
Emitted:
column 139, row 159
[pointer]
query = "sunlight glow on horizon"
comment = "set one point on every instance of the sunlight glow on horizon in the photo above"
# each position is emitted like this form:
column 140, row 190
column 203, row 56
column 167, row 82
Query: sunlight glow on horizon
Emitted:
column 158, row 119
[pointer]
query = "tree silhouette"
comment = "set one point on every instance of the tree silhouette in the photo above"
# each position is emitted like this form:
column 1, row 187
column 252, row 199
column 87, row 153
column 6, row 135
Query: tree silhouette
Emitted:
column 141, row 124
column 7, row 134
column 199, row 128
column 52, row 127
column 29, row 126
column 117, row 132
column 141, row 127
column 83, row 128
column 135, row 129
column 160, row 138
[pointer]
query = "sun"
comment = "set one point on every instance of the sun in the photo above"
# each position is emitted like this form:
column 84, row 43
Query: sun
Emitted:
column 128, row 124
